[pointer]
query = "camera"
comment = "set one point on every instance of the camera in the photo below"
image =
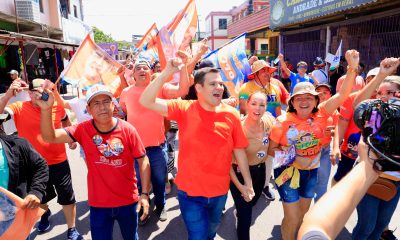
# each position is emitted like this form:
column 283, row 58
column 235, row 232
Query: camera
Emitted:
column 380, row 126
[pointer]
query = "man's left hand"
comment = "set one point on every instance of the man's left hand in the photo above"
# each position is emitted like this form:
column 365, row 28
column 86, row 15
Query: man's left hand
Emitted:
column 31, row 201
column 143, row 203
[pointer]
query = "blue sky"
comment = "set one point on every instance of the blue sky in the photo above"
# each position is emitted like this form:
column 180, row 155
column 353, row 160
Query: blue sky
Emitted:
column 122, row 18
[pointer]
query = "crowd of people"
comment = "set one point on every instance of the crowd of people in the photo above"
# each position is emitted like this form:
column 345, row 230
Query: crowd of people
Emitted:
column 290, row 128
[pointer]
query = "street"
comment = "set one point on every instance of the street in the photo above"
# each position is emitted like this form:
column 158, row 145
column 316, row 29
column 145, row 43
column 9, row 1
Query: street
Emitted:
column 267, row 216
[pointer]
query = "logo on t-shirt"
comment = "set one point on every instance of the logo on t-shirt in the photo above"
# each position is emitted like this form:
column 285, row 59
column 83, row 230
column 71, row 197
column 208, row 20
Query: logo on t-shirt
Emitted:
column 110, row 148
column 307, row 144
column 351, row 150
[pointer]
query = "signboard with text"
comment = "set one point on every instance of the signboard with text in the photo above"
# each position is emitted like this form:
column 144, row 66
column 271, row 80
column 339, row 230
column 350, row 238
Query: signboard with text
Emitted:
column 110, row 48
column 284, row 12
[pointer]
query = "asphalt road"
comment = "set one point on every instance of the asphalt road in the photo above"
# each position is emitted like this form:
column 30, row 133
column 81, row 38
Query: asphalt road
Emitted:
column 267, row 216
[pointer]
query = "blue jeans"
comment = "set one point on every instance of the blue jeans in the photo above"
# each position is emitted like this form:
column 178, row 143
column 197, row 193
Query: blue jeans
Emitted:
column 201, row 215
column 308, row 181
column 102, row 222
column 374, row 215
column 324, row 172
column 158, row 166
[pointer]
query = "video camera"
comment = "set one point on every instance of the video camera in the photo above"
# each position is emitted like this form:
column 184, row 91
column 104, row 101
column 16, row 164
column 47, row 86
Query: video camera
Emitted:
column 380, row 125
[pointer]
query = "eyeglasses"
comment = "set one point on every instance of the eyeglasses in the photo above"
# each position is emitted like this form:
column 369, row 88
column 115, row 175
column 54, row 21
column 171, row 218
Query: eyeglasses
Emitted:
column 115, row 148
column 302, row 67
column 98, row 104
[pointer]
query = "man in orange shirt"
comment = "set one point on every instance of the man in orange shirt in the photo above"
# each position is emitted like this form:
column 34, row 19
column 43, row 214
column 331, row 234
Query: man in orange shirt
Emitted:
column 27, row 120
column 209, row 133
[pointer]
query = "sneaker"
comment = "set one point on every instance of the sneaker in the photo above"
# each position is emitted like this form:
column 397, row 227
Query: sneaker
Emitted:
column 270, row 196
column 44, row 224
column 388, row 235
column 161, row 213
column 143, row 222
column 73, row 234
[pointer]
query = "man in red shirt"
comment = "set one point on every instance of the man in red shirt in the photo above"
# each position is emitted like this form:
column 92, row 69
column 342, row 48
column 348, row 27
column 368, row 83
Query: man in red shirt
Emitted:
column 111, row 147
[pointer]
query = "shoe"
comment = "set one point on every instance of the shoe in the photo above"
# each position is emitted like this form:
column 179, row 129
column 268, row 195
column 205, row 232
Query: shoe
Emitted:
column 44, row 224
column 161, row 213
column 168, row 187
column 73, row 234
column 270, row 196
column 388, row 235
column 143, row 222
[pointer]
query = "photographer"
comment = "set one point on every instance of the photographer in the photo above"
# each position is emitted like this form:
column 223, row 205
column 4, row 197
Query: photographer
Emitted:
column 325, row 220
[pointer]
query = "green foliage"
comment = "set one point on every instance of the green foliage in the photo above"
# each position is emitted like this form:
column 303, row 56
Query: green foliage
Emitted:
column 101, row 37
column 124, row 45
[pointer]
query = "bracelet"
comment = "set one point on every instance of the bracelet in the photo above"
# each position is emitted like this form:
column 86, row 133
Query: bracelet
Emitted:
column 145, row 193
column 350, row 70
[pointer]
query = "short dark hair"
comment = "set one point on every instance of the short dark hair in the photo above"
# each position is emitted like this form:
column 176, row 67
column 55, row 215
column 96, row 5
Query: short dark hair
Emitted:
column 200, row 74
column 293, row 110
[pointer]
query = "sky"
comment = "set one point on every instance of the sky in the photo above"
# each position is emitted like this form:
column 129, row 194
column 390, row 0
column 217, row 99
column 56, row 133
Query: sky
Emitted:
column 122, row 18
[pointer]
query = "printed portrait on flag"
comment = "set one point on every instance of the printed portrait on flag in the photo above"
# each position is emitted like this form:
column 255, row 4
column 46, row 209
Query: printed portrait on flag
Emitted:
column 92, row 65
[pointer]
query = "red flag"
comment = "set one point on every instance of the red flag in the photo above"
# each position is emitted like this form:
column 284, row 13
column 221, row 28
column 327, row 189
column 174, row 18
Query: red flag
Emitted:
column 92, row 65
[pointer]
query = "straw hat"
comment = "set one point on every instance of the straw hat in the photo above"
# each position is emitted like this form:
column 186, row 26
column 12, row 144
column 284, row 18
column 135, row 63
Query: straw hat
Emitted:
column 258, row 65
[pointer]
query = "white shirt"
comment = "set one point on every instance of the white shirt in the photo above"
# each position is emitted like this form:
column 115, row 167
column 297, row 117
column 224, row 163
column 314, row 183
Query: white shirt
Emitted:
column 78, row 106
column 320, row 75
column 9, row 126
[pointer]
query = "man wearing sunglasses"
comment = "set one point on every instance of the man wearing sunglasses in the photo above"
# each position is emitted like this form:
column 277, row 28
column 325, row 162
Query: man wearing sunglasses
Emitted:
column 111, row 147
column 300, row 76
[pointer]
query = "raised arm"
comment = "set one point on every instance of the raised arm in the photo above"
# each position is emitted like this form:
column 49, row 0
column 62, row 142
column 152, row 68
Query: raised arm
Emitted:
column 15, row 87
column 386, row 68
column 49, row 134
column 172, row 91
column 327, row 217
column 203, row 48
column 283, row 64
column 353, row 59
column 149, row 96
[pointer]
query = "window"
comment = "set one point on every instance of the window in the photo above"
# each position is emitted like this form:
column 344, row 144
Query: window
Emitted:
column 75, row 11
column 41, row 6
column 64, row 8
column 223, row 23
column 264, row 48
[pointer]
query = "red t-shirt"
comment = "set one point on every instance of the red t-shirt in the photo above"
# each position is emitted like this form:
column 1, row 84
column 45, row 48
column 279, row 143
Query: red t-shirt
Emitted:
column 27, row 121
column 110, row 160
column 352, row 136
column 207, row 140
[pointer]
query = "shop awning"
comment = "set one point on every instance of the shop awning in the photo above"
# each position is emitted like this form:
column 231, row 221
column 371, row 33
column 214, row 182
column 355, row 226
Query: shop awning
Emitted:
column 295, row 12
column 8, row 35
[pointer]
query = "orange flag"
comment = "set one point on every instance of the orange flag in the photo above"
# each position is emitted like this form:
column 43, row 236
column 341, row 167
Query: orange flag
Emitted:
column 16, row 222
column 92, row 65
column 150, row 45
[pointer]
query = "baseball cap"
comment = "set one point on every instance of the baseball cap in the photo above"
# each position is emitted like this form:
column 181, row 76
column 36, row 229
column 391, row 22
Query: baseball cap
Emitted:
column 373, row 72
column 324, row 85
column 142, row 62
column 13, row 72
column 96, row 90
column 36, row 83
column 318, row 61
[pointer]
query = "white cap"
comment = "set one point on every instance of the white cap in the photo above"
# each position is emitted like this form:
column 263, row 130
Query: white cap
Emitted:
column 97, row 89
column 373, row 72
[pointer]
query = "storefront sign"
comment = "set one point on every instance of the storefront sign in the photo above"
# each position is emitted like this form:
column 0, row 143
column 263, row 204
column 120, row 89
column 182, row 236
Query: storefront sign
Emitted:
column 284, row 12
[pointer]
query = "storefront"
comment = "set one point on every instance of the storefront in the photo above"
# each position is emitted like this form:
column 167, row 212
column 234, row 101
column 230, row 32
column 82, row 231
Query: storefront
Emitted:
column 32, row 56
column 313, row 28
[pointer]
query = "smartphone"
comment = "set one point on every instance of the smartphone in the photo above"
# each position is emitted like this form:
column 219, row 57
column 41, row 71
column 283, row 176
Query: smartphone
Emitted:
column 45, row 96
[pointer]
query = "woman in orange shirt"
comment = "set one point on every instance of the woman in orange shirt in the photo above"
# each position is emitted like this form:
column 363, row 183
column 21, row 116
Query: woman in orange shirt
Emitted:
column 296, row 142
column 257, row 126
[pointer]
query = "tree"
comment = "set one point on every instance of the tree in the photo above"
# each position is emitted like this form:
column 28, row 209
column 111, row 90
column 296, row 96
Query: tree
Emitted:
column 124, row 45
column 101, row 37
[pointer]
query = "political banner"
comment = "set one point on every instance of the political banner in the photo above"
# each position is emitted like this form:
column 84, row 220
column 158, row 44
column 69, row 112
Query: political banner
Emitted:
column 232, row 60
column 92, row 65
column 16, row 222
column 110, row 48
column 150, row 48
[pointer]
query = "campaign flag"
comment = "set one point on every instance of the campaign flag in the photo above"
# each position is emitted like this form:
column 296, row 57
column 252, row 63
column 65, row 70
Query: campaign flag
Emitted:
column 150, row 46
column 92, row 65
column 334, row 60
column 232, row 60
column 16, row 222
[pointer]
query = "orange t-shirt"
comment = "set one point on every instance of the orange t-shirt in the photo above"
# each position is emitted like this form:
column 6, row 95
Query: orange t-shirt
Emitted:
column 27, row 121
column 148, row 123
column 305, row 135
column 206, row 142
column 352, row 136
